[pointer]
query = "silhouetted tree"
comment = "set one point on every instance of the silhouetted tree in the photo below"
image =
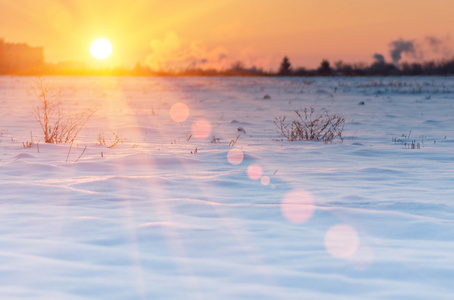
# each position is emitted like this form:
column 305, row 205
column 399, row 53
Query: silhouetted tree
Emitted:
column 324, row 69
column 286, row 67
column 237, row 66
column 342, row 68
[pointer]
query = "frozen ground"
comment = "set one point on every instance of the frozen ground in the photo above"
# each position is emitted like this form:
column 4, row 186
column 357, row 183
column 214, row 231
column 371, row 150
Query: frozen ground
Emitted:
column 148, row 219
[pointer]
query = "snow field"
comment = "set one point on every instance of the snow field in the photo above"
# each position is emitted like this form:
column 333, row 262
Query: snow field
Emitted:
column 175, row 212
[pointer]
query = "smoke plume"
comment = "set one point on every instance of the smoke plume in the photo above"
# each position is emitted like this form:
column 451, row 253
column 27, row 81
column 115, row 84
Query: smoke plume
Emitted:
column 430, row 46
column 173, row 53
column 401, row 46
column 438, row 46
column 379, row 58
column 434, row 42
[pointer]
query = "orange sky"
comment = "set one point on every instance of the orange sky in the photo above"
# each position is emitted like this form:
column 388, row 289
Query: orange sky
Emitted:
column 177, row 33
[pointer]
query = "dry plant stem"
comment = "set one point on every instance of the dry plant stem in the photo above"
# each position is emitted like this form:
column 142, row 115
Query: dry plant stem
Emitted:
column 28, row 144
column 81, row 154
column 233, row 142
column 69, row 151
column 117, row 140
column 215, row 140
column 101, row 139
column 188, row 136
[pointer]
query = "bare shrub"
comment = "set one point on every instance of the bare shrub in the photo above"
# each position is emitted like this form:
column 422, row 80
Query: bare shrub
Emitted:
column 57, row 126
column 308, row 125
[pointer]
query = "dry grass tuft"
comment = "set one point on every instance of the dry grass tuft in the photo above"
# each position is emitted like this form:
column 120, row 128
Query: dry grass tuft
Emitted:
column 310, row 126
column 115, row 140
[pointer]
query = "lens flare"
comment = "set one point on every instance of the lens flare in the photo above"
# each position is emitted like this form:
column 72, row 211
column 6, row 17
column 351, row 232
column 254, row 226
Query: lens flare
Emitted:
column 265, row 180
column 179, row 112
column 235, row 156
column 201, row 129
column 254, row 172
column 298, row 206
column 341, row 241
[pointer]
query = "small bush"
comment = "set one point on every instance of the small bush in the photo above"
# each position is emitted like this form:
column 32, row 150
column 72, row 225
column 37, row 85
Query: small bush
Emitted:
column 311, row 126
column 58, row 126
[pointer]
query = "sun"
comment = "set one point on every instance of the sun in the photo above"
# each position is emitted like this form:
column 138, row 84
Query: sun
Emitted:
column 101, row 48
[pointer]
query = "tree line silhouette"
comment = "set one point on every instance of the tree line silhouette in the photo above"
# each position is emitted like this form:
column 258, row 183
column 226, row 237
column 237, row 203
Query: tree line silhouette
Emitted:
column 377, row 68
column 21, row 59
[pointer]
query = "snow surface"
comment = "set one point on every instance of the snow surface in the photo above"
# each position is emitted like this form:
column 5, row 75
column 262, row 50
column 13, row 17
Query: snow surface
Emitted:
column 152, row 218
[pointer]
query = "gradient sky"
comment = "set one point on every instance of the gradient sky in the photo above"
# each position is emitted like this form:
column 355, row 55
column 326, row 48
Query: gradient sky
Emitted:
column 177, row 33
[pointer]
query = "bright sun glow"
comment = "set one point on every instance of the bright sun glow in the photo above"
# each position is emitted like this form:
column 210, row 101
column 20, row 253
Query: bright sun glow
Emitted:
column 101, row 48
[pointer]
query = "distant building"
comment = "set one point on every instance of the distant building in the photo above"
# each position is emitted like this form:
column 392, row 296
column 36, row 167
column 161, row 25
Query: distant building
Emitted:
column 19, row 57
